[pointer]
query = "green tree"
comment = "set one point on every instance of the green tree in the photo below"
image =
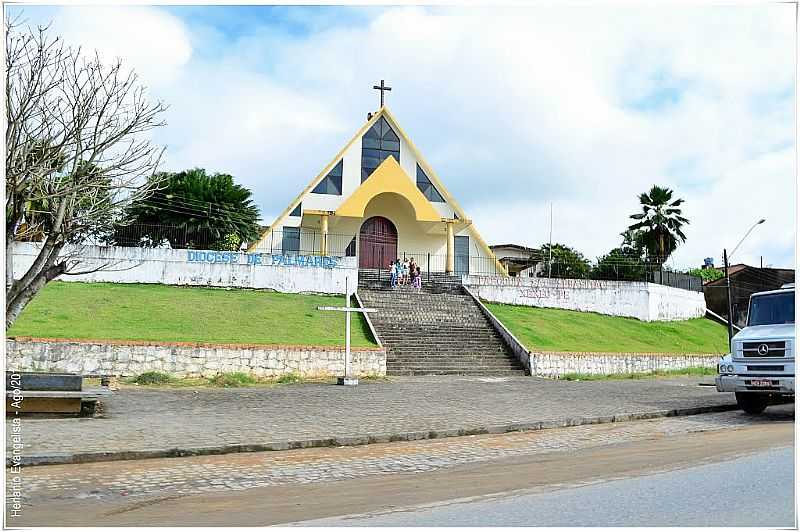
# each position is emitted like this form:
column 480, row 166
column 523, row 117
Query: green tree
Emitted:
column 707, row 274
column 661, row 223
column 566, row 262
column 192, row 209
column 621, row 264
column 77, row 154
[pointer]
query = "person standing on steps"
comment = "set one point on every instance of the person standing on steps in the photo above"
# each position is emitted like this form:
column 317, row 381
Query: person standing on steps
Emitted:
column 405, row 272
column 393, row 274
column 418, row 280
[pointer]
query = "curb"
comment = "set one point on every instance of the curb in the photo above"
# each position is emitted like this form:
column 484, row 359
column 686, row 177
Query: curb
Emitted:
column 340, row 441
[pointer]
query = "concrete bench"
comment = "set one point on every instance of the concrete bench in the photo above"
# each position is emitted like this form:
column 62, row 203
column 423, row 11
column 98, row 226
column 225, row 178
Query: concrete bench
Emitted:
column 50, row 393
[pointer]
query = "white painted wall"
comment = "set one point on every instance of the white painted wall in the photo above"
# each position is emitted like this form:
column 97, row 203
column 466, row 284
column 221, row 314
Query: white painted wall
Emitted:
column 643, row 301
column 172, row 267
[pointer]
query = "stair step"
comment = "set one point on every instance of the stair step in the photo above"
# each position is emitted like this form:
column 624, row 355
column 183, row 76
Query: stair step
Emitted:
column 438, row 330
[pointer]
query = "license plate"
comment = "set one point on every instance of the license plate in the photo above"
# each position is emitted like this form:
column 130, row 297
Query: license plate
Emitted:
column 761, row 382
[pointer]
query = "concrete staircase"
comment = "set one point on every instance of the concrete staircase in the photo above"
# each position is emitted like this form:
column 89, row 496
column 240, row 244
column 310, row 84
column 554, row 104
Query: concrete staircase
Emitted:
column 437, row 331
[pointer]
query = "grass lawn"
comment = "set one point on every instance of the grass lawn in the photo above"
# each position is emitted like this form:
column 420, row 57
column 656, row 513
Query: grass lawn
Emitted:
column 568, row 330
column 109, row 311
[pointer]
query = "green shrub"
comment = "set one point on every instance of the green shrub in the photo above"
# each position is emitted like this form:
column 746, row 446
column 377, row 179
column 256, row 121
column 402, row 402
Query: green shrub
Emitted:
column 230, row 380
column 289, row 378
column 153, row 377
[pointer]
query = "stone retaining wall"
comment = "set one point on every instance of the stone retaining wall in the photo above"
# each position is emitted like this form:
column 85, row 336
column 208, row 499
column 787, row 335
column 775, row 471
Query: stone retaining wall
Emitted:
column 132, row 358
column 555, row 365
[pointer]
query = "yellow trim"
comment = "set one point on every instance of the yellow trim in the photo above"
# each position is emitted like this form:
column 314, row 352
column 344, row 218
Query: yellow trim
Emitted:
column 315, row 181
column 315, row 212
column 429, row 171
column 388, row 177
column 420, row 159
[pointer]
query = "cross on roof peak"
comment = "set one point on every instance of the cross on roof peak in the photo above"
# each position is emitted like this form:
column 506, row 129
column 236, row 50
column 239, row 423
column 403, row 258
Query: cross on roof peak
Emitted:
column 382, row 88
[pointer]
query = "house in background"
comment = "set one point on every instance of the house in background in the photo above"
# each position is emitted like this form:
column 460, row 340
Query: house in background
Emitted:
column 518, row 260
column 745, row 280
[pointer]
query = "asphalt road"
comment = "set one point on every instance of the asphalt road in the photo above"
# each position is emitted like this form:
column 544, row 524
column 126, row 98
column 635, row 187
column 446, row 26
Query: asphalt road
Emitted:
column 717, row 469
column 755, row 490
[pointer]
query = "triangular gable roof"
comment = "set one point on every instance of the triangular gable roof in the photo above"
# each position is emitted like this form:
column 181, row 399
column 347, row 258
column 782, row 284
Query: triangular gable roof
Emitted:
column 434, row 178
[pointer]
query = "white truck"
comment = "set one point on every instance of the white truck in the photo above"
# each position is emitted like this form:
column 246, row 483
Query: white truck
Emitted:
column 760, row 366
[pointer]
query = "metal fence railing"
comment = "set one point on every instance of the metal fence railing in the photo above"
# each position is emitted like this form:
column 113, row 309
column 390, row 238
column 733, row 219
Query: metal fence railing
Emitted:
column 616, row 270
column 289, row 241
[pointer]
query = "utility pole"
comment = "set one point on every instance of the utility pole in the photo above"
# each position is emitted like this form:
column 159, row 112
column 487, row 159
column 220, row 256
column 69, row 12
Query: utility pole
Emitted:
column 550, row 247
column 728, row 289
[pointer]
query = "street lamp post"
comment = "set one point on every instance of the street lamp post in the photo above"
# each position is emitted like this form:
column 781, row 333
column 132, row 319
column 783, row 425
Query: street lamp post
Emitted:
column 728, row 279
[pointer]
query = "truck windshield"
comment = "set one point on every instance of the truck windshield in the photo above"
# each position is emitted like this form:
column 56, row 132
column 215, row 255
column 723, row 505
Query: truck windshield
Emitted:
column 771, row 309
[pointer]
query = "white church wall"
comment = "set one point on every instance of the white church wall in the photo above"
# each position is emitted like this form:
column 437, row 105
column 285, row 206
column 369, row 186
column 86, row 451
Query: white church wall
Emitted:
column 324, row 275
column 351, row 169
column 643, row 301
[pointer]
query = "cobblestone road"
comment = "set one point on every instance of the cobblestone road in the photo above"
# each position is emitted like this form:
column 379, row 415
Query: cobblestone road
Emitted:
column 174, row 477
column 151, row 419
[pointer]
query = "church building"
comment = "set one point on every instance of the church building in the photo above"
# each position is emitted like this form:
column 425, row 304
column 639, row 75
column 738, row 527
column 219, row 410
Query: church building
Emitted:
column 379, row 200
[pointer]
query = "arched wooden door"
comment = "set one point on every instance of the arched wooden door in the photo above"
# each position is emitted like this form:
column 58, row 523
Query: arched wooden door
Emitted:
column 377, row 243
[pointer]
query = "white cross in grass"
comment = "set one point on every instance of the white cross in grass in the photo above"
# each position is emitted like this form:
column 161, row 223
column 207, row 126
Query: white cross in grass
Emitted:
column 348, row 379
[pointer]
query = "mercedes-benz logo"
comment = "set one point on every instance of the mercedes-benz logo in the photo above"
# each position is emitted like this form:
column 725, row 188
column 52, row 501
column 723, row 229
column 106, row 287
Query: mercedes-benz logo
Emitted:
column 763, row 350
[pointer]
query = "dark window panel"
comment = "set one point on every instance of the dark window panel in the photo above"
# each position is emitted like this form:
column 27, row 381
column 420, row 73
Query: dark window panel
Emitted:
column 426, row 187
column 298, row 211
column 370, row 162
column 291, row 240
column 370, row 143
column 335, row 185
column 375, row 152
column 351, row 248
column 390, row 135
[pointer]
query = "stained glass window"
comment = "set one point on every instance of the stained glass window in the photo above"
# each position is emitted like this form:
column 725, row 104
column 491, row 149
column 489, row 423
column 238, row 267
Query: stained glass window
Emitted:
column 332, row 183
column 426, row 187
column 376, row 145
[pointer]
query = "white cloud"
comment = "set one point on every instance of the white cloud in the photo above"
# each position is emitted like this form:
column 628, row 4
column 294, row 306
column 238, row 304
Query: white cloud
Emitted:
column 154, row 43
column 514, row 108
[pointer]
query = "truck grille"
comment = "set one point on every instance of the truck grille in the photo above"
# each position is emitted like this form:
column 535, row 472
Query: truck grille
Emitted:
column 764, row 368
column 763, row 349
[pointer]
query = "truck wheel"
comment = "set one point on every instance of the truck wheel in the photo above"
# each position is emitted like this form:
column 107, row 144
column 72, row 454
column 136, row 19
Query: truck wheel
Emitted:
column 752, row 403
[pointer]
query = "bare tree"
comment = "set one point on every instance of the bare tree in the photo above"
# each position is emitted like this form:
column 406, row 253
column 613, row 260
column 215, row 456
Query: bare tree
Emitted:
column 77, row 153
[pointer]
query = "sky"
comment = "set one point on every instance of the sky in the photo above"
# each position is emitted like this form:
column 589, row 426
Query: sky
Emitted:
column 516, row 108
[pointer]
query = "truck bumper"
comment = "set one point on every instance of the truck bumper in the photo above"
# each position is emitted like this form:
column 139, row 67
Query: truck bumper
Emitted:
column 741, row 383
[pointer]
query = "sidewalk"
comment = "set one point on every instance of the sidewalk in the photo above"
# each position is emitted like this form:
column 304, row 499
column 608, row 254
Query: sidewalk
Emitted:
column 152, row 423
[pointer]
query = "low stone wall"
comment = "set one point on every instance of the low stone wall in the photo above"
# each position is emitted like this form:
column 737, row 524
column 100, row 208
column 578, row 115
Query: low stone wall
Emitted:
column 554, row 365
column 643, row 301
column 187, row 360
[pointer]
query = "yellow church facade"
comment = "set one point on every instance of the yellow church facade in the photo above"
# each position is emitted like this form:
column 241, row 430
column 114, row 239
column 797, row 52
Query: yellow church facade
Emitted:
column 378, row 200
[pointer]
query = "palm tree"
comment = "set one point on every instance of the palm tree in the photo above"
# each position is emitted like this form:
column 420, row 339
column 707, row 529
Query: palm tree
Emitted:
column 660, row 222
